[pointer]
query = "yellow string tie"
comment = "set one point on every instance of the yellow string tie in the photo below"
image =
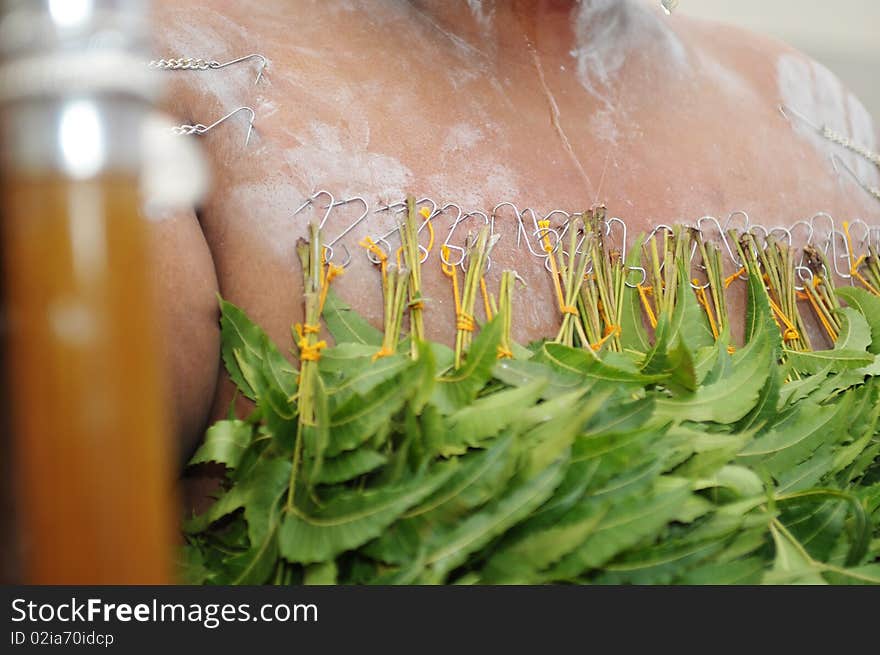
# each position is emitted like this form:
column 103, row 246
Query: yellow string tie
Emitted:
column 486, row 304
column 504, row 353
column 333, row 271
column 643, row 294
column 704, row 301
column 449, row 271
column 730, row 278
column 854, row 268
column 610, row 331
column 464, row 322
column 790, row 333
column 803, row 295
column 382, row 352
column 308, row 352
column 557, row 285
column 371, row 246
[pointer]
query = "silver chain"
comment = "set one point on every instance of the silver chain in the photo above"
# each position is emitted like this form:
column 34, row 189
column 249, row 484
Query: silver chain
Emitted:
column 184, row 63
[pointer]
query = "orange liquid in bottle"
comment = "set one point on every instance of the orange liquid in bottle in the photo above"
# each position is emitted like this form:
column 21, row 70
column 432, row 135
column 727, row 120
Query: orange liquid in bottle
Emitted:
column 91, row 437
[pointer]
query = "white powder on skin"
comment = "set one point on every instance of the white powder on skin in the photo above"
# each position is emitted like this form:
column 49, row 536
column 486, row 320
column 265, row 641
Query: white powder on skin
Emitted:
column 327, row 152
column 607, row 32
column 812, row 90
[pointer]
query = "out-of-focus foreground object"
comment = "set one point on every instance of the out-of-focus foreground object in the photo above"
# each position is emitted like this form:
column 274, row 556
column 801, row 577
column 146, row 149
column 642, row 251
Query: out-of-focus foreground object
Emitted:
column 89, row 428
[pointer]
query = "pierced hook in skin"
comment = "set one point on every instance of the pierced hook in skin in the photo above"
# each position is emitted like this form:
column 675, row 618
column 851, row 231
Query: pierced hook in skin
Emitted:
column 329, row 246
column 263, row 64
column 199, row 128
column 486, row 221
column 867, row 188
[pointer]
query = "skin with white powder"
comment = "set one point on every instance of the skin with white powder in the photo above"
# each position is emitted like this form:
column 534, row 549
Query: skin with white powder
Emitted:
column 549, row 104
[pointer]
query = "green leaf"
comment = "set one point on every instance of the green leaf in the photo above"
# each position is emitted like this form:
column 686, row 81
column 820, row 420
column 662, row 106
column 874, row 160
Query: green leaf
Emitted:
column 520, row 373
column 584, row 362
column 225, row 443
column 349, row 368
column 855, row 334
column 360, row 417
column 815, row 361
column 521, row 561
column 792, row 565
column 626, row 523
column 796, row 438
column 479, row 476
column 459, row 388
column 351, row 518
column 324, row 573
column 487, row 417
column 255, row 565
column 349, row 465
column 730, row 398
column 239, row 335
column 759, row 316
column 258, row 493
column 346, row 325
column 740, row 572
column 868, row 306
column 449, row 548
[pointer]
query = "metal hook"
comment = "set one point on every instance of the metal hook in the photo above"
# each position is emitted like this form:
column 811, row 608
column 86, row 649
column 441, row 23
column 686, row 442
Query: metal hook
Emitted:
column 873, row 191
column 193, row 63
column 199, row 128
column 464, row 258
column 311, row 199
column 448, row 238
column 329, row 245
column 784, row 110
column 399, row 207
column 723, row 234
column 263, row 63
column 831, row 243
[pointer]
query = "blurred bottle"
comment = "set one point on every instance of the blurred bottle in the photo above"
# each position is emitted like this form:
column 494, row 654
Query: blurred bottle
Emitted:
column 90, row 431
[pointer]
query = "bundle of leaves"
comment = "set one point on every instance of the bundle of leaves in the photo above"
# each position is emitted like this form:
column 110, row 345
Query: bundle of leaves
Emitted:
column 670, row 461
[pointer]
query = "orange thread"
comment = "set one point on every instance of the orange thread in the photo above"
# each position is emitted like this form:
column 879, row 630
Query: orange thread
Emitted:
column 704, row 301
column 643, row 294
column 730, row 278
column 486, row 303
column 610, row 331
column 790, row 333
column 464, row 322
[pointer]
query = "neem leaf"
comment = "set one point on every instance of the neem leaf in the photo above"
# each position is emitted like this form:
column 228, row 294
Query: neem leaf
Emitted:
column 459, row 388
column 349, row 465
column 855, row 333
column 346, row 325
column 795, row 438
column 351, row 519
column 244, row 342
column 359, row 417
column 759, row 316
column 449, row 548
column 258, row 494
column 792, row 564
column 480, row 476
column 728, row 399
column 488, row 416
column 868, row 306
column 585, row 362
column 225, row 442
column 815, row 361
column 626, row 523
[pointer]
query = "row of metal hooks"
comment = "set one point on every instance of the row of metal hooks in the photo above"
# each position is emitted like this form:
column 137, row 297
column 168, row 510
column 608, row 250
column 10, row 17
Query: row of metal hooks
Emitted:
column 543, row 240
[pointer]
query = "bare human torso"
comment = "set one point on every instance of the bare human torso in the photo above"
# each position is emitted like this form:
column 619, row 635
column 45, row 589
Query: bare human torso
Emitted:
column 549, row 104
